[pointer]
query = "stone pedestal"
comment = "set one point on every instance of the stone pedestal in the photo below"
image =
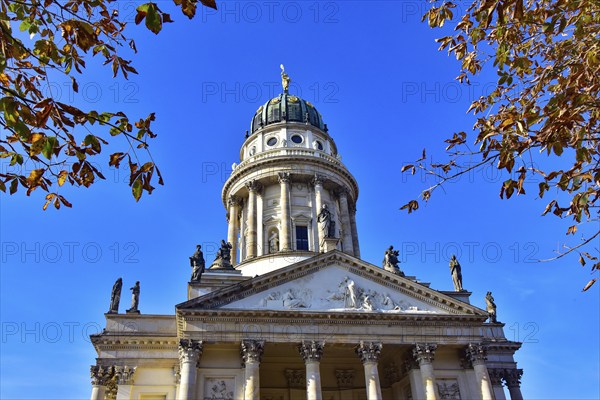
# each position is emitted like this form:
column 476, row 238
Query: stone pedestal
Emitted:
column 328, row 244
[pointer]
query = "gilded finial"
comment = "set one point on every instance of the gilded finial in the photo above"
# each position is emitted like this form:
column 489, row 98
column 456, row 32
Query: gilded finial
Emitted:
column 285, row 79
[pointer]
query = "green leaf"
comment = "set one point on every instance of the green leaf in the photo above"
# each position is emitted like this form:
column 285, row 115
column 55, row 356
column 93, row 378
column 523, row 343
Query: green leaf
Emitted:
column 136, row 189
column 48, row 148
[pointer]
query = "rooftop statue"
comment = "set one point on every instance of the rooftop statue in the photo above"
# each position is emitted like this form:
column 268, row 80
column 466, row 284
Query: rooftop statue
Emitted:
column 285, row 79
column 197, row 263
column 390, row 261
column 135, row 298
column 491, row 307
column 455, row 271
column 223, row 258
column 115, row 297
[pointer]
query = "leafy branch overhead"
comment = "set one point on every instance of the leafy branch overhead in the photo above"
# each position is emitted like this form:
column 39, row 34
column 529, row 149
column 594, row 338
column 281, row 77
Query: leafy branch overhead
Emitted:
column 544, row 105
column 54, row 141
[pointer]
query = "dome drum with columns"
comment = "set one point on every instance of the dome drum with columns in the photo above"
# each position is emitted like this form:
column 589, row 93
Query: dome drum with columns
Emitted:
column 289, row 310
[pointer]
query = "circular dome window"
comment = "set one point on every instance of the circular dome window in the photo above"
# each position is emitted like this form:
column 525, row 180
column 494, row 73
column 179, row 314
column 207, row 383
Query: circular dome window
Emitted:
column 297, row 139
column 319, row 145
column 272, row 141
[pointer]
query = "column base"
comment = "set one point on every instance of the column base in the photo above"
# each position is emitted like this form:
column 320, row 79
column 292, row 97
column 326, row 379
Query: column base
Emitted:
column 329, row 244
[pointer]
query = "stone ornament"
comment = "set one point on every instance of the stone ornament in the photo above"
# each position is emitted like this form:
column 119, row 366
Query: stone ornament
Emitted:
column 345, row 378
column 100, row 375
column 369, row 351
column 219, row 389
column 252, row 351
column 190, row 350
column 455, row 271
column 311, row 351
column 197, row 263
column 390, row 261
column 253, row 186
column 284, row 177
column 491, row 307
column 448, row 389
column 115, row 297
column 496, row 375
column 512, row 377
column 296, row 378
column 124, row 375
column 135, row 299
column 476, row 353
column 424, row 353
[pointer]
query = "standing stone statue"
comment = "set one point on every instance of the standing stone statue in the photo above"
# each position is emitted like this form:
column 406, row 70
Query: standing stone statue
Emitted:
column 135, row 298
column 390, row 261
column 197, row 263
column 274, row 242
column 491, row 307
column 326, row 223
column 115, row 297
column 285, row 79
column 223, row 258
column 456, row 273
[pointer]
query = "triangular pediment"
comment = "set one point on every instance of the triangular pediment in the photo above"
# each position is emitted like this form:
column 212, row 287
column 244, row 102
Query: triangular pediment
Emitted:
column 332, row 282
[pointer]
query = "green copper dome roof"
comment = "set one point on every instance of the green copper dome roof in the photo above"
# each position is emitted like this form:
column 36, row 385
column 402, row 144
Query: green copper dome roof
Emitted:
column 287, row 107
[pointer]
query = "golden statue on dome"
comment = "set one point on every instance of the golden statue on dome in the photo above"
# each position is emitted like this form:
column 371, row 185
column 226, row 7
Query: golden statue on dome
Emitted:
column 285, row 79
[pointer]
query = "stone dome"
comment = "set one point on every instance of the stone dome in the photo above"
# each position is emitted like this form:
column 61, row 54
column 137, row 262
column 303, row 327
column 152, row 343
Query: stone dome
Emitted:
column 287, row 107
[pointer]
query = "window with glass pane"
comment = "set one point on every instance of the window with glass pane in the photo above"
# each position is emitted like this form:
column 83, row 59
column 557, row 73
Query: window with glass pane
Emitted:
column 301, row 238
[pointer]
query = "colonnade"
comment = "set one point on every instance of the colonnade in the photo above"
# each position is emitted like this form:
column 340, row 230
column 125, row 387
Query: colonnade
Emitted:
column 115, row 383
column 252, row 225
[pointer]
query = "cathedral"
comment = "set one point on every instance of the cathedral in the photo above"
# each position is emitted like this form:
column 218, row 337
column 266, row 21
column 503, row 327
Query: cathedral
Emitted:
column 288, row 310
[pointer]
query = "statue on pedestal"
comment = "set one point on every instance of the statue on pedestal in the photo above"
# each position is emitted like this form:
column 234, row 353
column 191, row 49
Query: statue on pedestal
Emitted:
column 274, row 242
column 491, row 307
column 455, row 271
column 115, row 297
column 135, row 298
column 223, row 258
column 326, row 223
column 390, row 261
column 285, row 79
column 197, row 263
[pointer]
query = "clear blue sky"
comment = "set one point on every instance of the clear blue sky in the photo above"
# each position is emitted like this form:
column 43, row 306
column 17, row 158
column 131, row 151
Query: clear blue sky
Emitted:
column 374, row 72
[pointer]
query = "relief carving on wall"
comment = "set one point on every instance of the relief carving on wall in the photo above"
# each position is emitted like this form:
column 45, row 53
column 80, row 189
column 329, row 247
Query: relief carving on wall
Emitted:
column 448, row 389
column 219, row 388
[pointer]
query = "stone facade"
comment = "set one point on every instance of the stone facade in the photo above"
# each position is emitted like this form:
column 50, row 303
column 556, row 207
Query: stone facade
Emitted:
column 302, row 316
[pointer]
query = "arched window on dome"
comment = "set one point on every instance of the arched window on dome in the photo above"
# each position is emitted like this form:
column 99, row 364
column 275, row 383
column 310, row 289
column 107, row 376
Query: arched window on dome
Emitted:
column 274, row 113
column 294, row 111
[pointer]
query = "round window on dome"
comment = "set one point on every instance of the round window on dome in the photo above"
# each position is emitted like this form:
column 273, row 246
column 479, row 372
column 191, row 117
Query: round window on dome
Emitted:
column 319, row 145
column 297, row 139
column 272, row 141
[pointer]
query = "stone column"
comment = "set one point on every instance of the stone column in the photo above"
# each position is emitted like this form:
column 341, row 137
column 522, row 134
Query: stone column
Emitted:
column 253, row 186
column 318, row 182
column 354, row 231
column 424, row 355
column 124, row 377
column 252, row 351
column 496, row 376
column 190, row 351
column 513, row 382
column 284, row 204
column 477, row 355
column 100, row 376
column 368, row 352
column 347, row 242
column 233, row 227
column 411, row 368
column 311, row 352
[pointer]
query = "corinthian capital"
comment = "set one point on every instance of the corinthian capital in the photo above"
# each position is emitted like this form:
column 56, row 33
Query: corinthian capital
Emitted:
column 284, row 177
column 476, row 353
column 424, row 353
column 318, row 180
column 190, row 350
column 100, row 375
column 124, row 375
column 368, row 351
column 496, row 375
column 252, row 351
column 253, row 185
column 311, row 350
column 513, row 377
column 233, row 201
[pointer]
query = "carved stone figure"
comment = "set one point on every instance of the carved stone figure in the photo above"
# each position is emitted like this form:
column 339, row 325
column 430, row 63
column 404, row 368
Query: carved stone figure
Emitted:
column 135, row 298
column 367, row 303
column 115, row 297
column 390, row 261
column 285, row 79
column 352, row 294
column 491, row 307
column 223, row 258
column 326, row 223
column 197, row 263
column 291, row 301
column 455, row 270
column 274, row 242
